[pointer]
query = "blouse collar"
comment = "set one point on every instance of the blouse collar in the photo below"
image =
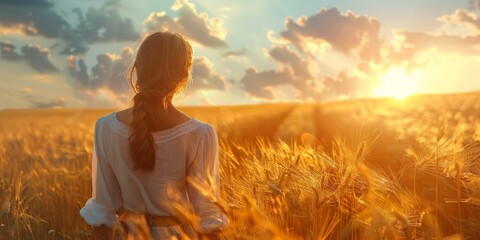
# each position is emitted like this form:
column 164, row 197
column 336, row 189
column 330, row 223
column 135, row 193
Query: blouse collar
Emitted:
column 158, row 136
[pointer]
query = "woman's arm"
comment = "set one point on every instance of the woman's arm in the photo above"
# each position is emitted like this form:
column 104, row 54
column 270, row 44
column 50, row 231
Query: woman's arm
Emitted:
column 203, row 185
column 100, row 210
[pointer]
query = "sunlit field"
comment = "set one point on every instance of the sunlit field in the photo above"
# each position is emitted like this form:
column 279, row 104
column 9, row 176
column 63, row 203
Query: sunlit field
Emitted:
column 406, row 168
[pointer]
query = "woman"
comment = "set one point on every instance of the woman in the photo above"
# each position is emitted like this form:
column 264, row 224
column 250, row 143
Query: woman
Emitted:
column 146, row 158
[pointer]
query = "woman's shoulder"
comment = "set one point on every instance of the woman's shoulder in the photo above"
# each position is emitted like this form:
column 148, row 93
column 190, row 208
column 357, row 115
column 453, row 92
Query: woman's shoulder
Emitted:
column 208, row 129
column 108, row 122
column 101, row 121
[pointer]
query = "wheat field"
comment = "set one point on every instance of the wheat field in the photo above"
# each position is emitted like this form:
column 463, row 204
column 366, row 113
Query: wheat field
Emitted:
column 363, row 169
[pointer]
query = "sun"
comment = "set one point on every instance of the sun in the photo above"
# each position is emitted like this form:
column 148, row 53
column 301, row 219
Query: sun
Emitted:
column 397, row 83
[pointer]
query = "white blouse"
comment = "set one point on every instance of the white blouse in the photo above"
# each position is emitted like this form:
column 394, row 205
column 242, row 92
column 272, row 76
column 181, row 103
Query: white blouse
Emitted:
column 188, row 150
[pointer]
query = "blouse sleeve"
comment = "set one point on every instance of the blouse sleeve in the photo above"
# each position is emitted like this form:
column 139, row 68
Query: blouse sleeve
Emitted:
column 106, row 196
column 204, row 171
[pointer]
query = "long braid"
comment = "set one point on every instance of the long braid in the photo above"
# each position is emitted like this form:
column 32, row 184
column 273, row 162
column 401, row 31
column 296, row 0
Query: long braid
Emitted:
column 161, row 68
column 142, row 123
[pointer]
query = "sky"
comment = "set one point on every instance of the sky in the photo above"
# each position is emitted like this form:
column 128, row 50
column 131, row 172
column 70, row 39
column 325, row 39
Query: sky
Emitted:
column 76, row 54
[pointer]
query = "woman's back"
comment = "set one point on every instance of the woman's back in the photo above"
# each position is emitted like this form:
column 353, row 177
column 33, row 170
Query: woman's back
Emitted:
column 183, row 152
column 149, row 163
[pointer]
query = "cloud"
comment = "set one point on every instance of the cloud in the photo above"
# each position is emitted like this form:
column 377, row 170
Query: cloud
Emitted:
column 344, row 84
column 229, row 54
column 34, row 3
column 299, row 66
column 291, row 70
column 283, row 55
column 104, row 25
column 113, row 3
column 32, row 17
column 473, row 4
column 8, row 51
column 197, row 27
column 462, row 18
column 73, row 45
column 204, row 77
column 419, row 41
column 78, row 70
column 57, row 103
column 109, row 72
column 38, row 58
column 261, row 84
column 108, row 78
column 345, row 32
column 410, row 43
column 105, row 84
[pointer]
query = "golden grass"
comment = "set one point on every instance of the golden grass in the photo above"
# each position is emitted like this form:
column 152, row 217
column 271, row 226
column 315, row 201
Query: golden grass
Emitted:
column 367, row 169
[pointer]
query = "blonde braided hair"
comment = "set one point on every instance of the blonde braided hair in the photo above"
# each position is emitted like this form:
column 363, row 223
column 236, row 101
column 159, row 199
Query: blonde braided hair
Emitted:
column 162, row 67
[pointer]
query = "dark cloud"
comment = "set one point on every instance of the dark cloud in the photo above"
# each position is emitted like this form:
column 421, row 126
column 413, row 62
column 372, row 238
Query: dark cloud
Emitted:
column 34, row 3
column 104, row 25
column 292, row 70
column 283, row 55
column 196, row 26
column 204, row 77
column 75, row 47
column 299, row 66
column 347, row 33
column 110, row 72
column 9, row 52
column 114, row 3
column 261, row 84
column 38, row 58
column 78, row 70
column 57, row 103
column 240, row 52
column 32, row 18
